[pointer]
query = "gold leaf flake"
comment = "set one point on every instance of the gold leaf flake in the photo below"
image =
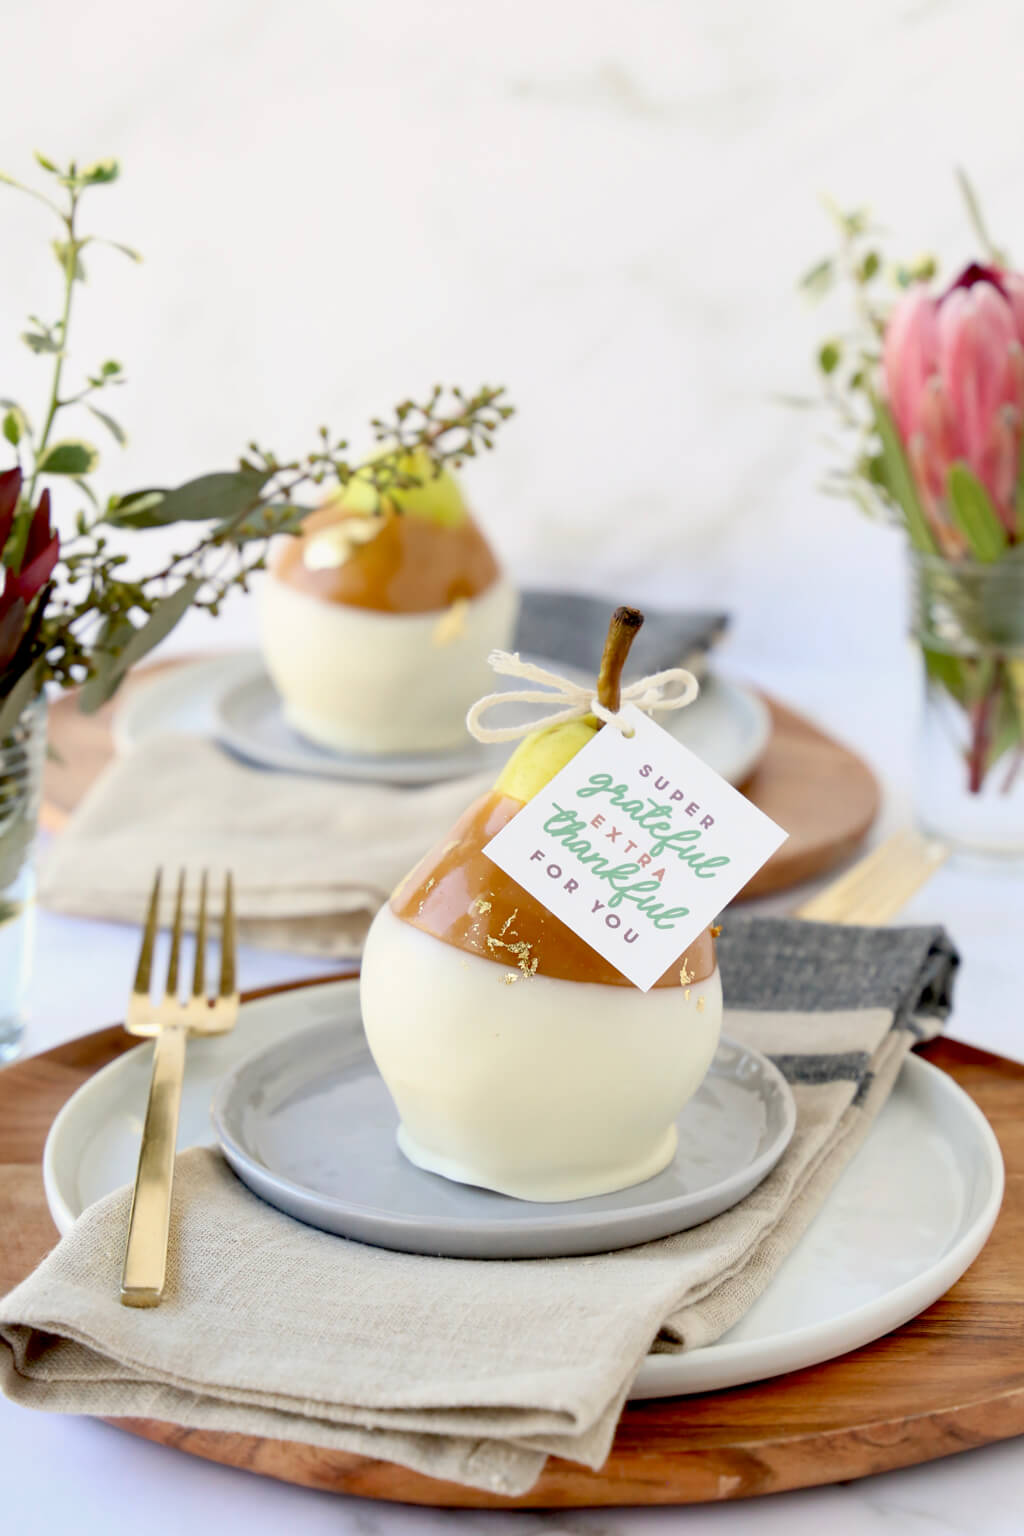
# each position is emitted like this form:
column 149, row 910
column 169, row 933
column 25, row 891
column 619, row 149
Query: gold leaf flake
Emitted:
column 526, row 961
column 700, row 1004
column 452, row 623
column 685, row 975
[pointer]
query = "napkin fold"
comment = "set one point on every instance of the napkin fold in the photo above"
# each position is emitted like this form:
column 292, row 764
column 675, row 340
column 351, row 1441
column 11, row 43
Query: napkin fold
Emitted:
column 313, row 859
column 474, row 1371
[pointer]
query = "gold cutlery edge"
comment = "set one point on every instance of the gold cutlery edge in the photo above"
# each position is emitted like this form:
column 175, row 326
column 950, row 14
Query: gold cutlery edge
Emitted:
column 170, row 1021
column 880, row 884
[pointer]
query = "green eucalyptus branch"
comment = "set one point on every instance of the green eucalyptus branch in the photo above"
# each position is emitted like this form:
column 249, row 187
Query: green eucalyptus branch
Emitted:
column 96, row 619
column 74, row 457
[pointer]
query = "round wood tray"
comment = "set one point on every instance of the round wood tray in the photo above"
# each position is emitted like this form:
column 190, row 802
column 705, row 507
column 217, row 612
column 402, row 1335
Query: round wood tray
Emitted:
column 951, row 1379
column 820, row 791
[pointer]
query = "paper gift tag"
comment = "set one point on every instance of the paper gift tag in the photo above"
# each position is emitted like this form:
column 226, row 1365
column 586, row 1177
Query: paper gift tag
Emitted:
column 636, row 845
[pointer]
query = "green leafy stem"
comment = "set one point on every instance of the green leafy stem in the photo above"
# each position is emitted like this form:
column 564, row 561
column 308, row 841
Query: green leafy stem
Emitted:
column 97, row 620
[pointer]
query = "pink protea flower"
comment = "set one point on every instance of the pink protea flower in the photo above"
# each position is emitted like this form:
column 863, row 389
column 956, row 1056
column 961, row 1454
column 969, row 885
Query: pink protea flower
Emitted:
column 20, row 587
column 954, row 378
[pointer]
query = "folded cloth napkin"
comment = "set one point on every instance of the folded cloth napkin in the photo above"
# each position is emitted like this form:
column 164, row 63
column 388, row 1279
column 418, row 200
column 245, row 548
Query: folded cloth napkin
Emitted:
column 467, row 1370
column 313, row 859
column 571, row 627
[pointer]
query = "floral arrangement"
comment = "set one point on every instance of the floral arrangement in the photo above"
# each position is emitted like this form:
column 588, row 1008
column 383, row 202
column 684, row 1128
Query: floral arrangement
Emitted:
column 72, row 611
column 928, row 391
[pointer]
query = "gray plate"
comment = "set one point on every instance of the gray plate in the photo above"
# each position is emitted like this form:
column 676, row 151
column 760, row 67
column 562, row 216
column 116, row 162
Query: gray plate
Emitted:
column 309, row 1126
column 727, row 726
column 250, row 721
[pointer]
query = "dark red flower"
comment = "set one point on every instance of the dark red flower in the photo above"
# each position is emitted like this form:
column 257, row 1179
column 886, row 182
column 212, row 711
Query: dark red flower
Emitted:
column 10, row 490
column 40, row 555
column 42, row 550
column 976, row 272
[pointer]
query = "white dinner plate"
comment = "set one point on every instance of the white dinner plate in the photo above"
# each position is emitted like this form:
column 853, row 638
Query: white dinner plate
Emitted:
column 905, row 1219
column 232, row 699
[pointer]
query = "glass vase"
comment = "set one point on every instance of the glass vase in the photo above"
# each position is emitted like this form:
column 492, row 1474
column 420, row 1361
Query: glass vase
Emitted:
column 22, row 755
column 968, row 619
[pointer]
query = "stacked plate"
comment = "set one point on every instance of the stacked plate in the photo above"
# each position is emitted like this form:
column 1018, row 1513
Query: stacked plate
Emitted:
column 232, row 699
column 309, row 1126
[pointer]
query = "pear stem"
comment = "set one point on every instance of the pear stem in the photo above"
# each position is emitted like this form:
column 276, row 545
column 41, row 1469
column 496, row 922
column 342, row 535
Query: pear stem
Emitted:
column 622, row 631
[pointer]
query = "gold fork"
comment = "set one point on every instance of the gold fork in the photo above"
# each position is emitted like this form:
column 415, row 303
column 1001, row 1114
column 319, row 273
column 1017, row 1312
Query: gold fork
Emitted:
column 879, row 885
column 170, row 1021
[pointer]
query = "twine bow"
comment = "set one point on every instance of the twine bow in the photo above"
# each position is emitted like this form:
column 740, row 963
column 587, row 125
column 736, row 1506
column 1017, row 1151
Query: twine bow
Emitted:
column 577, row 699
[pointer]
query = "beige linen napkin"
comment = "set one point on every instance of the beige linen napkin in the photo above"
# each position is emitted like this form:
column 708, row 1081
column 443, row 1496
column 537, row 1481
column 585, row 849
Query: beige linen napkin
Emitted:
column 468, row 1370
column 313, row 859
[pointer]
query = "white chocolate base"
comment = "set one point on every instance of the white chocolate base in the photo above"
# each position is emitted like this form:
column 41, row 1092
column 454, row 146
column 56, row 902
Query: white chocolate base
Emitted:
column 539, row 1088
column 361, row 681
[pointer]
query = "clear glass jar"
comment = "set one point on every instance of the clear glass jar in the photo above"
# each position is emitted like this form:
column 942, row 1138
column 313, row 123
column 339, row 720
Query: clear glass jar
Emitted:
column 969, row 622
column 22, row 755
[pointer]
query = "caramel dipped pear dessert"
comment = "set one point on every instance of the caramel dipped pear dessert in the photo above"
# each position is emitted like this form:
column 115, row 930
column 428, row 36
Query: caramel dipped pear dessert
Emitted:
column 377, row 617
column 518, row 1057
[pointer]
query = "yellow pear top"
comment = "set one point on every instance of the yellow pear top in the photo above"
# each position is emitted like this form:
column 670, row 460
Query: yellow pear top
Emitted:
column 546, row 751
column 437, row 499
column 542, row 754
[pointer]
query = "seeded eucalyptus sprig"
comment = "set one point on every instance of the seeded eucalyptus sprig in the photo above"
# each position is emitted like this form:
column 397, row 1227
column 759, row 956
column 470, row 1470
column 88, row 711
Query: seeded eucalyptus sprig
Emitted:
column 241, row 510
column 94, row 620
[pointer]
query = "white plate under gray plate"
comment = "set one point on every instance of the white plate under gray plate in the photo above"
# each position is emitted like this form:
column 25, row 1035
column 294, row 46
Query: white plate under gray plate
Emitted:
column 232, row 698
column 310, row 1127
column 906, row 1218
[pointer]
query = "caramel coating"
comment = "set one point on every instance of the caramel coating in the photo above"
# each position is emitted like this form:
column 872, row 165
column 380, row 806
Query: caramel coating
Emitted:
column 459, row 896
column 411, row 566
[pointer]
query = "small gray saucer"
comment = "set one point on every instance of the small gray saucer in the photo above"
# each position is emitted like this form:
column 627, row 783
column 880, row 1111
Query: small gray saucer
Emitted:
column 727, row 726
column 309, row 1126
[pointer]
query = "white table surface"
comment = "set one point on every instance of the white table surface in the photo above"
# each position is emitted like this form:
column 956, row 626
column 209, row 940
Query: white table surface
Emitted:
column 90, row 1478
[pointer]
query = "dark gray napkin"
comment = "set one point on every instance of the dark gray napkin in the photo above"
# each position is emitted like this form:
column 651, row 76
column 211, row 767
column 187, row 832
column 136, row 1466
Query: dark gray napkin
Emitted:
column 825, row 971
column 786, row 962
column 571, row 627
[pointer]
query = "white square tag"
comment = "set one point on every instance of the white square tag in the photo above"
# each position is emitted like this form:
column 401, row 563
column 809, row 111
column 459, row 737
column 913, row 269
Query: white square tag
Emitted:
column 636, row 845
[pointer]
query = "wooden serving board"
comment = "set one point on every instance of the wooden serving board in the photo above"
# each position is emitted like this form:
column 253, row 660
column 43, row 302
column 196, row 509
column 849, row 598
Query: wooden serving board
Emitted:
column 822, row 793
column 950, row 1380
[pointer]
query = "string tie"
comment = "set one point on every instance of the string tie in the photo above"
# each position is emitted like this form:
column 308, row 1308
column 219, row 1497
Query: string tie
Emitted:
column 672, row 689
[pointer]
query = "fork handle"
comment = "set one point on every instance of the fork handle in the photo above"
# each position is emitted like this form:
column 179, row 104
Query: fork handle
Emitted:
column 145, row 1254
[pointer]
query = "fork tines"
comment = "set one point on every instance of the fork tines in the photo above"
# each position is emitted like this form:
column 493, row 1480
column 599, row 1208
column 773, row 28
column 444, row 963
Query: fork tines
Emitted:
column 146, row 1016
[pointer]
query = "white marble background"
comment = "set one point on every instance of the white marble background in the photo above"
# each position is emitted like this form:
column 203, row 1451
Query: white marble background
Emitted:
column 604, row 204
